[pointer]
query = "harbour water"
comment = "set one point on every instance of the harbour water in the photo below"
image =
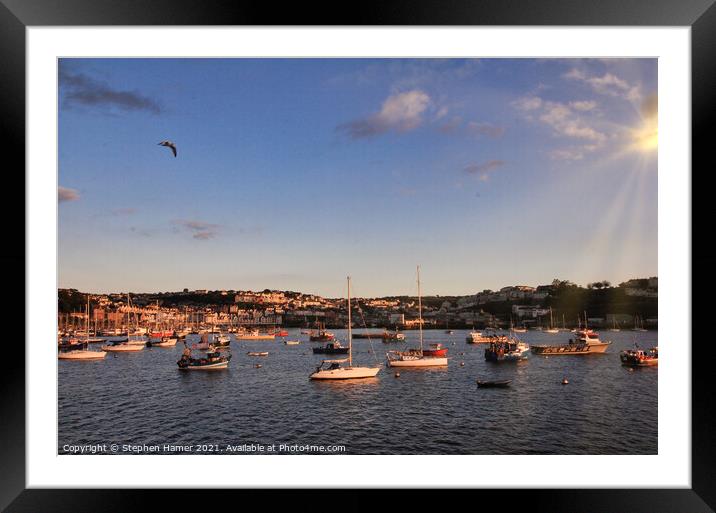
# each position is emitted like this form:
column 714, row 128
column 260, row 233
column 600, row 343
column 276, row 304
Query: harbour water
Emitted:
column 143, row 398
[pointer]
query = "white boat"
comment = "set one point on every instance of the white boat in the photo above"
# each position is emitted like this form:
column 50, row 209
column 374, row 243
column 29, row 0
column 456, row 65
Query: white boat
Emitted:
column 122, row 347
column 474, row 337
column 291, row 342
column 164, row 342
column 257, row 353
column 333, row 370
column 415, row 357
column 82, row 354
column 254, row 335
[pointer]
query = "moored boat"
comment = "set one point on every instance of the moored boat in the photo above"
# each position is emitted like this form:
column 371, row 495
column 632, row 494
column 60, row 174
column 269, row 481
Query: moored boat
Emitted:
column 586, row 342
column 494, row 384
column 331, row 348
column 436, row 350
column 511, row 350
column 417, row 357
column 639, row 357
column 257, row 353
column 333, row 370
column 211, row 361
column 122, row 347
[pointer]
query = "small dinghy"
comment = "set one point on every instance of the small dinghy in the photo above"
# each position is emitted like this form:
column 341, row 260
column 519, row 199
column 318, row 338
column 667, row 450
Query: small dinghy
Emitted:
column 494, row 384
column 292, row 342
column 257, row 353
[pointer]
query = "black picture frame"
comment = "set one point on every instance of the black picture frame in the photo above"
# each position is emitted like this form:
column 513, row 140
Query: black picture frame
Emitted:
column 17, row 15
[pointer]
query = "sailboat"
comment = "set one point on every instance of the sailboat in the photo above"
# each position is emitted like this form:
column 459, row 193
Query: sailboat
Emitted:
column 130, row 344
column 82, row 354
column 417, row 357
column 332, row 369
column 551, row 329
column 638, row 324
column 614, row 324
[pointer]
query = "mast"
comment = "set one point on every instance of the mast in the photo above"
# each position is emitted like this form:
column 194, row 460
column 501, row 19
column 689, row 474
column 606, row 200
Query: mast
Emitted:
column 350, row 333
column 420, row 313
column 87, row 329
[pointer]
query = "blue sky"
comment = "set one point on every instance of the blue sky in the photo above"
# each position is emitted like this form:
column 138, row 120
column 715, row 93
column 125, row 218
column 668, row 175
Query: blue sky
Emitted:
column 293, row 173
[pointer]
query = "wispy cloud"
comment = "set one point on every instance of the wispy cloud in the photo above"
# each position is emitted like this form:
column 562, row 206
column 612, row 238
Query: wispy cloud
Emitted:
column 400, row 112
column 67, row 194
column 565, row 120
column 83, row 90
column 199, row 230
column 483, row 170
column 608, row 84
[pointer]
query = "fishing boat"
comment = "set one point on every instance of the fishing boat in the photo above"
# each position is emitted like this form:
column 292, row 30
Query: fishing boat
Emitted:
column 586, row 342
column 512, row 350
column 416, row 357
column 80, row 353
column 494, row 384
column 333, row 370
column 640, row 358
column 257, row 353
column 331, row 348
column 489, row 335
column 212, row 361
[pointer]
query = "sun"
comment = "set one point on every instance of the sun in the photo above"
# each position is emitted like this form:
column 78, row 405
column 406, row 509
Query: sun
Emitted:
column 645, row 139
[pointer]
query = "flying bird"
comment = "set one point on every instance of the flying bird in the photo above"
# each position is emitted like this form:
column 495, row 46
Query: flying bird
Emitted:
column 171, row 145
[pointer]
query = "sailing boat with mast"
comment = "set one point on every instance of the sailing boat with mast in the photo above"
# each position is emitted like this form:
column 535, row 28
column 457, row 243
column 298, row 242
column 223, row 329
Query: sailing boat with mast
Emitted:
column 82, row 354
column 551, row 329
column 418, row 357
column 332, row 369
column 128, row 345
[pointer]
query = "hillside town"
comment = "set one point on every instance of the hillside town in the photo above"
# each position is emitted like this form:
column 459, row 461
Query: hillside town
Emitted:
column 560, row 303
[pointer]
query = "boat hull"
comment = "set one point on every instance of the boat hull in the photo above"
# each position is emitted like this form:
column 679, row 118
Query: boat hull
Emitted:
column 345, row 373
column 123, row 348
column 575, row 349
column 81, row 355
column 425, row 361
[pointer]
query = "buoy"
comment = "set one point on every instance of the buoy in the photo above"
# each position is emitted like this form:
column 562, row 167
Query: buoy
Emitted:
column 462, row 364
column 397, row 374
column 564, row 381
column 258, row 365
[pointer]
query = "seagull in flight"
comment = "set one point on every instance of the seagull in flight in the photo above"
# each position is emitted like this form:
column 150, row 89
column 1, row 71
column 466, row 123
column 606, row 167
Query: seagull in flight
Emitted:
column 171, row 145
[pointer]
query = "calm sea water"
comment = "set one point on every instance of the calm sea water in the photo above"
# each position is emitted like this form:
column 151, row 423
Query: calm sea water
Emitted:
column 142, row 398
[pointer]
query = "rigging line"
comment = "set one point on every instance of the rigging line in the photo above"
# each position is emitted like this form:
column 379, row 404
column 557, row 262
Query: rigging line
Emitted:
column 370, row 341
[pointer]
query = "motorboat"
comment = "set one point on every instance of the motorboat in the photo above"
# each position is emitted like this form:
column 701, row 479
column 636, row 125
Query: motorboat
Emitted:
column 212, row 361
column 640, row 358
column 331, row 348
column 512, row 350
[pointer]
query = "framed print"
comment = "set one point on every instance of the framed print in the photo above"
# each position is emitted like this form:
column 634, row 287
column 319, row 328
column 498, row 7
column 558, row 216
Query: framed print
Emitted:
column 416, row 249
